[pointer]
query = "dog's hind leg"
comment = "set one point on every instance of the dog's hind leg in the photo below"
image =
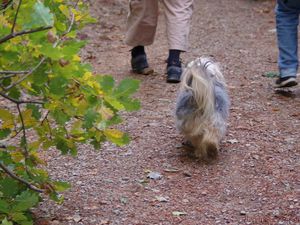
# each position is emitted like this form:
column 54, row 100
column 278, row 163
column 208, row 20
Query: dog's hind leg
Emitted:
column 197, row 144
column 207, row 146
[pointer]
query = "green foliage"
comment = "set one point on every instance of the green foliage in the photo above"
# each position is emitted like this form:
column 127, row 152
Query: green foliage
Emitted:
column 271, row 74
column 49, row 95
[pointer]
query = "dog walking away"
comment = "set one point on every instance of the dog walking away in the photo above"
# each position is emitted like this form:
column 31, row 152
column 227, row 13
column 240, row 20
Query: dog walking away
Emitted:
column 202, row 107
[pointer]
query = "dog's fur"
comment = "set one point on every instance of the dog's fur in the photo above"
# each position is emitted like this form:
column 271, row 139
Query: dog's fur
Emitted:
column 202, row 107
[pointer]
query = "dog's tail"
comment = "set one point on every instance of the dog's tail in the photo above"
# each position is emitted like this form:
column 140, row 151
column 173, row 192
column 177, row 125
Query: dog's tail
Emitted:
column 199, row 77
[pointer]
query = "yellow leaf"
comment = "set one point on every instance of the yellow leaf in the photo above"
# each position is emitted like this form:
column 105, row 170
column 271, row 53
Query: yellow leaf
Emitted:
column 76, row 58
column 27, row 86
column 16, row 40
column 64, row 9
column 34, row 145
column 98, row 136
column 17, row 156
column 114, row 102
column 78, row 17
column 76, row 127
column 27, row 117
column 70, row 143
column 7, row 119
column 37, row 159
column 3, row 21
column 113, row 133
column 78, row 138
column 106, row 113
column 8, row 124
column 75, row 102
column 5, row 114
column 87, row 76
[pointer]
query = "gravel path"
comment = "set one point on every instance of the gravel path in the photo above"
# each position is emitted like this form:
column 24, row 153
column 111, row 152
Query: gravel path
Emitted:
column 257, row 177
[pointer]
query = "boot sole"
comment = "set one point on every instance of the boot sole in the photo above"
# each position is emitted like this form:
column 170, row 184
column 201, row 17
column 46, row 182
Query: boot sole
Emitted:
column 145, row 71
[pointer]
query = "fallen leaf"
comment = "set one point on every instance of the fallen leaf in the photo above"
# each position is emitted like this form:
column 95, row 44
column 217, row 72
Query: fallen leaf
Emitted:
column 171, row 170
column 243, row 213
column 77, row 218
column 154, row 175
column 161, row 199
column 142, row 181
column 124, row 200
column 104, row 222
column 187, row 174
column 178, row 213
column 232, row 141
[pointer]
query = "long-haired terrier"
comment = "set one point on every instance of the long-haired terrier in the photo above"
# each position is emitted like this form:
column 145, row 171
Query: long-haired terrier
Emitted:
column 202, row 107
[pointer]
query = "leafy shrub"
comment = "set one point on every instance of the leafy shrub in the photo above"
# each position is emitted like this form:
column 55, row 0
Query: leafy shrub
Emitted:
column 49, row 99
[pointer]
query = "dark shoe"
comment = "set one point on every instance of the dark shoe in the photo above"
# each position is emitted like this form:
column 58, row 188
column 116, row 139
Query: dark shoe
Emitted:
column 285, row 82
column 140, row 65
column 174, row 72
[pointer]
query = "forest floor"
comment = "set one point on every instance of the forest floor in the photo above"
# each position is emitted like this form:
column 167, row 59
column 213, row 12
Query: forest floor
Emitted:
column 256, row 179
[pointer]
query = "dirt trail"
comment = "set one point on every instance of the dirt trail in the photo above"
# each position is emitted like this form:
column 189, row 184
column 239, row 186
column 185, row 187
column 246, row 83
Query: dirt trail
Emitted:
column 257, row 177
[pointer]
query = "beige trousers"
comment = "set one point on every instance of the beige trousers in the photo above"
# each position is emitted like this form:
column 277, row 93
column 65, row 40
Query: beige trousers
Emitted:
column 142, row 22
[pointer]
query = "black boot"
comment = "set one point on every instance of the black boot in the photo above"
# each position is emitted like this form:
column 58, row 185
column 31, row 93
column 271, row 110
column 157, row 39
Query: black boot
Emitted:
column 174, row 69
column 139, row 62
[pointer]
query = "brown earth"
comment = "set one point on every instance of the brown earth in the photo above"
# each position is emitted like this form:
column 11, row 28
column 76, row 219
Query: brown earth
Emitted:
column 256, row 179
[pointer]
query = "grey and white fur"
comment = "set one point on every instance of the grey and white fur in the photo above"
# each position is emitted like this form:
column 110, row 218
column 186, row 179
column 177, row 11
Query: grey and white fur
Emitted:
column 202, row 107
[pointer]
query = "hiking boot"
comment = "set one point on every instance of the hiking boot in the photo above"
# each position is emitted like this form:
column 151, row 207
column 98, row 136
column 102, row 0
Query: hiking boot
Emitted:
column 174, row 72
column 140, row 65
column 285, row 82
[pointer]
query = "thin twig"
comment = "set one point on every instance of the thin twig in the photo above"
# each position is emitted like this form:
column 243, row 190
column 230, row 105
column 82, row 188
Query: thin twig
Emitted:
column 21, row 101
column 13, row 35
column 12, row 72
column 25, row 75
column 7, row 76
column 17, row 132
column 16, row 16
column 76, row 3
column 71, row 24
column 45, row 118
column 26, row 154
column 14, row 176
column 48, row 124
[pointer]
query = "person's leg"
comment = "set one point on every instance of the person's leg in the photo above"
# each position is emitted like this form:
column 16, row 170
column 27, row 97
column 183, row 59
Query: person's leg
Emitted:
column 287, row 20
column 141, row 28
column 178, row 14
column 141, row 22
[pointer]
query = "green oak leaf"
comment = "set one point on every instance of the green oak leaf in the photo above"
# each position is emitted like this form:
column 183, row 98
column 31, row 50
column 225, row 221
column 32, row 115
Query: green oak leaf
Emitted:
column 9, row 187
column 40, row 17
column 25, row 201
column 127, row 87
column 4, row 133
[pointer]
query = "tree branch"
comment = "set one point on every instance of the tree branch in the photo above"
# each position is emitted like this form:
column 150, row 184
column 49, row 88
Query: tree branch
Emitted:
column 21, row 101
column 71, row 25
column 16, row 16
column 26, row 154
column 14, row 176
column 12, row 72
column 13, row 35
column 5, row 4
column 25, row 75
column 9, row 75
column 2, row 77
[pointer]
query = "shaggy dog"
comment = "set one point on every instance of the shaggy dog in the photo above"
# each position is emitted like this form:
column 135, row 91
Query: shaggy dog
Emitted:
column 202, row 107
